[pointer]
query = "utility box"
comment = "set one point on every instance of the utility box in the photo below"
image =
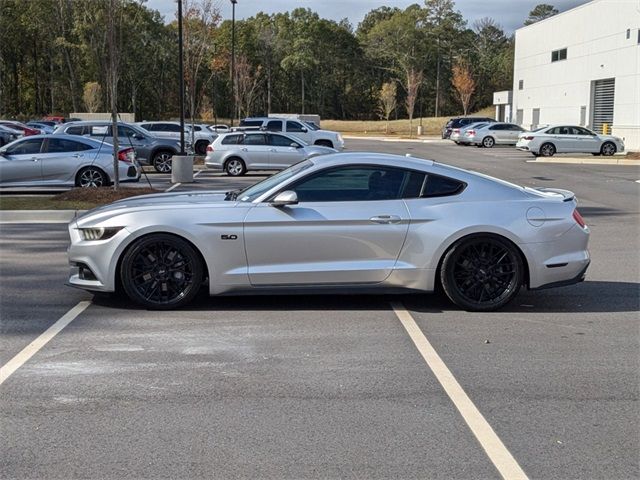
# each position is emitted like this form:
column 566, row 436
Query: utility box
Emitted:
column 182, row 169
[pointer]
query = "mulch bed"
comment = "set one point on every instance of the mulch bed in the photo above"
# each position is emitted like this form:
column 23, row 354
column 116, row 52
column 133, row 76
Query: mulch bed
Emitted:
column 102, row 195
column 633, row 155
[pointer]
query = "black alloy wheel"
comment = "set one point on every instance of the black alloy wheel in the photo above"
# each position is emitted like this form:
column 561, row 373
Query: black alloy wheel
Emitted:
column 482, row 273
column 161, row 272
column 162, row 161
column 91, row 177
column 608, row 149
column 547, row 150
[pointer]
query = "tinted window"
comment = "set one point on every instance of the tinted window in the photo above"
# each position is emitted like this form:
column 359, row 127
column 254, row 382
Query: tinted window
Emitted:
column 441, row 186
column 561, row 131
column 254, row 140
column 76, row 130
column 168, row 127
column 125, row 131
column 232, row 140
column 582, row 131
column 250, row 123
column 294, row 127
column 413, row 185
column 26, row 147
column 151, row 128
column 280, row 141
column 515, row 127
column 62, row 145
column 274, row 126
column 497, row 127
column 350, row 184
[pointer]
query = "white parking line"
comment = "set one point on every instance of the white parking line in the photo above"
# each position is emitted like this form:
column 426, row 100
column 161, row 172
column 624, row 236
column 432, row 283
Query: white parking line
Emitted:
column 492, row 445
column 30, row 350
column 178, row 184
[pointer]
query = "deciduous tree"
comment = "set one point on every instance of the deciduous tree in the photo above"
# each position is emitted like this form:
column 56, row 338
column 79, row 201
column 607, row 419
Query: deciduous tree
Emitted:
column 464, row 83
column 388, row 101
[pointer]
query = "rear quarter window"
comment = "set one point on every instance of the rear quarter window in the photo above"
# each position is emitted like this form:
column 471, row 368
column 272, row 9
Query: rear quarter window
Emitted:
column 232, row 140
column 437, row 186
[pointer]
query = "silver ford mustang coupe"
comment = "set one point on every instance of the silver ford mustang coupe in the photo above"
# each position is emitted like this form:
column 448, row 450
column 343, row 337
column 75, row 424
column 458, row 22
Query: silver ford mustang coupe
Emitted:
column 344, row 222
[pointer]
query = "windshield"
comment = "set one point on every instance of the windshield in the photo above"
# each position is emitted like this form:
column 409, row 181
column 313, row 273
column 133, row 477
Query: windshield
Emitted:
column 249, row 194
column 312, row 125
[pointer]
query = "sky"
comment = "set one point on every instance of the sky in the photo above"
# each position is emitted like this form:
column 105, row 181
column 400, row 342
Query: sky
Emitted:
column 508, row 13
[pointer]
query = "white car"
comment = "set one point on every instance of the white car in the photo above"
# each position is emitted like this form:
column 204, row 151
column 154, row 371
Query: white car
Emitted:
column 199, row 139
column 238, row 152
column 549, row 140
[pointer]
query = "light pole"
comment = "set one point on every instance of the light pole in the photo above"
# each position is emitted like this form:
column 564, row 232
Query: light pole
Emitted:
column 233, row 58
column 181, row 75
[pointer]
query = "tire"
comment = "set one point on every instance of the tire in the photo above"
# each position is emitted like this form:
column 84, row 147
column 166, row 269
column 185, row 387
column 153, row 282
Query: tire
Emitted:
column 324, row 143
column 547, row 150
column 488, row 142
column 162, row 161
column 457, row 143
column 161, row 272
column 91, row 177
column 235, row 167
column 608, row 149
column 482, row 273
column 201, row 147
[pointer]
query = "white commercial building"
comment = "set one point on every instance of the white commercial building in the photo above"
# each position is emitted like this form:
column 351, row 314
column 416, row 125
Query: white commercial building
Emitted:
column 581, row 67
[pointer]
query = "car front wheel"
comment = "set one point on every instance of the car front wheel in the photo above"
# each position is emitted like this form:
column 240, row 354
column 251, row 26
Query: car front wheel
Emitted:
column 488, row 142
column 235, row 167
column 608, row 149
column 482, row 273
column 162, row 161
column 161, row 271
column 91, row 177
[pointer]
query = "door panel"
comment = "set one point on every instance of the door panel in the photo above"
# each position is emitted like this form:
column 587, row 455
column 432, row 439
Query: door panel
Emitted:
column 16, row 169
column 324, row 243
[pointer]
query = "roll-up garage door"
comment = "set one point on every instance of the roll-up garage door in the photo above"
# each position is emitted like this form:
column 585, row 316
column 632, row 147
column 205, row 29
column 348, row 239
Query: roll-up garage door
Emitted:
column 603, row 91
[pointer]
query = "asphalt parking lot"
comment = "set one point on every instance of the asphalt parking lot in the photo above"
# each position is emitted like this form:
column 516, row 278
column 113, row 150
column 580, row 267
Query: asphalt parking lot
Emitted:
column 332, row 387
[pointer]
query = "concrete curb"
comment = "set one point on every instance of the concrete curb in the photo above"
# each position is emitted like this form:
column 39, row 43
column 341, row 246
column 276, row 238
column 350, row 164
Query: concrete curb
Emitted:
column 394, row 139
column 588, row 161
column 38, row 216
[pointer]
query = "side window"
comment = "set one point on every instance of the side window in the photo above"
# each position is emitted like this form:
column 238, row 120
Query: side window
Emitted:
column 125, row 132
column 62, row 145
column 254, row 140
column 274, row 126
column 280, row 141
column 26, row 147
column 413, row 185
column 352, row 184
column 232, row 140
column 497, row 127
column 100, row 131
column 169, row 127
column 437, row 186
column 75, row 130
column 294, row 127
column 148, row 126
column 582, row 131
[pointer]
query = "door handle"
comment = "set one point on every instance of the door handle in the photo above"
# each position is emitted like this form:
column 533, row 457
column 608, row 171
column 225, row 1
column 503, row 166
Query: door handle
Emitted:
column 78, row 155
column 272, row 149
column 34, row 159
column 244, row 149
column 385, row 219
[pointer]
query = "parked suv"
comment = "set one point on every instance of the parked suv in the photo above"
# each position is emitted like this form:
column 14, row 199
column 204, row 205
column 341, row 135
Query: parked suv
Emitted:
column 200, row 140
column 459, row 122
column 150, row 150
column 238, row 152
column 301, row 130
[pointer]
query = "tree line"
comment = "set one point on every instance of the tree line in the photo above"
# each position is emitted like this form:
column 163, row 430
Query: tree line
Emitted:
column 424, row 60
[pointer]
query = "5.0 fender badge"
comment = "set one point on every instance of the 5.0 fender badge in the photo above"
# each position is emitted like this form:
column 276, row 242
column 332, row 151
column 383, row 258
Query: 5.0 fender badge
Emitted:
column 229, row 237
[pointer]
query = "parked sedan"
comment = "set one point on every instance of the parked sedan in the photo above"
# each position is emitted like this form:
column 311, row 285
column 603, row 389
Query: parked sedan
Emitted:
column 64, row 160
column 491, row 134
column 343, row 222
column 553, row 139
column 238, row 152
column 458, row 134
column 461, row 122
column 8, row 135
column 43, row 127
column 26, row 131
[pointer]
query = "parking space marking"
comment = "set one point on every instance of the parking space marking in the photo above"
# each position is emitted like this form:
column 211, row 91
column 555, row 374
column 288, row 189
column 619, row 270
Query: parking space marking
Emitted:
column 30, row 350
column 501, row 458
column 175, row 185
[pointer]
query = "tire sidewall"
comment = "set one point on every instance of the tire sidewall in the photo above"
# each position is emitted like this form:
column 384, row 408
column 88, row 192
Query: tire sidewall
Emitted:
column 156, row 157
column 235, row 159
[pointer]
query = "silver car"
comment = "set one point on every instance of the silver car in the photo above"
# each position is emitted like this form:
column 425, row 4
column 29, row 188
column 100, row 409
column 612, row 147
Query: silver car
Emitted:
column 458, row 134
column 238, row 152
column 342, row 222
column 547, row 141
column 198, row 137
column 491, row 134
column 64, row 160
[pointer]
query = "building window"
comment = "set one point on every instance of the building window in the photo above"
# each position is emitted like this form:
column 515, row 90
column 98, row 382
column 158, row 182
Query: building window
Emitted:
column 521, row 85
column 639, row 36
column 558, row 55
column 628, row 33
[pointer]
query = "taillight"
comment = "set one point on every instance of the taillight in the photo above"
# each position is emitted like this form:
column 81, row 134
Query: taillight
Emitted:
column 127, row 155
column 528, row 138
column 578, row 218
column 471, row 132
column 456, row 130
column 209, row 148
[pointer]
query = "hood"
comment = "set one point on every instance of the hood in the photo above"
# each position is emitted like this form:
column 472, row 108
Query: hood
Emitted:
column 326, row 132
column 319, row 150
column 156, row 201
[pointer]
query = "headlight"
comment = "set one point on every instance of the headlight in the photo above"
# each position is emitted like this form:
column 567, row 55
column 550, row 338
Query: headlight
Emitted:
column 339, row 138
column 99, row 233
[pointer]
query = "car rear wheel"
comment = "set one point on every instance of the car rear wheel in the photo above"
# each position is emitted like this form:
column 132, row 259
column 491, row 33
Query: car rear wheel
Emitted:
column 547, row 150
column 482, row 273
column 488, row 142
column 235, row 167
column 161, row 271
column 162, row 161
column 201, row 147
column 324, row 143
column 91, row 177
column 608, row 149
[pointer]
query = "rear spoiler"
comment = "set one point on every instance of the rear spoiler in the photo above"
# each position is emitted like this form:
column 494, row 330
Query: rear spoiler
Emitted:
column 567, row 196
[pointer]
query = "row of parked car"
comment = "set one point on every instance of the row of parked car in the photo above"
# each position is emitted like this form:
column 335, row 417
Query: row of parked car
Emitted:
column 80, row 152
column 544, row 141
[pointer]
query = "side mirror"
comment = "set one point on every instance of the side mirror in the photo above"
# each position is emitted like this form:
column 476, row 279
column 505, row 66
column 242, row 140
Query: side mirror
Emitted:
column 304, row 129
column 137, row 136
column 288, row 197
column 295, row 145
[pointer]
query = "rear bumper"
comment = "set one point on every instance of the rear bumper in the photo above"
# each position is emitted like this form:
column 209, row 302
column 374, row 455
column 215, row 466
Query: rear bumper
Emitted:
column 563, row 283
